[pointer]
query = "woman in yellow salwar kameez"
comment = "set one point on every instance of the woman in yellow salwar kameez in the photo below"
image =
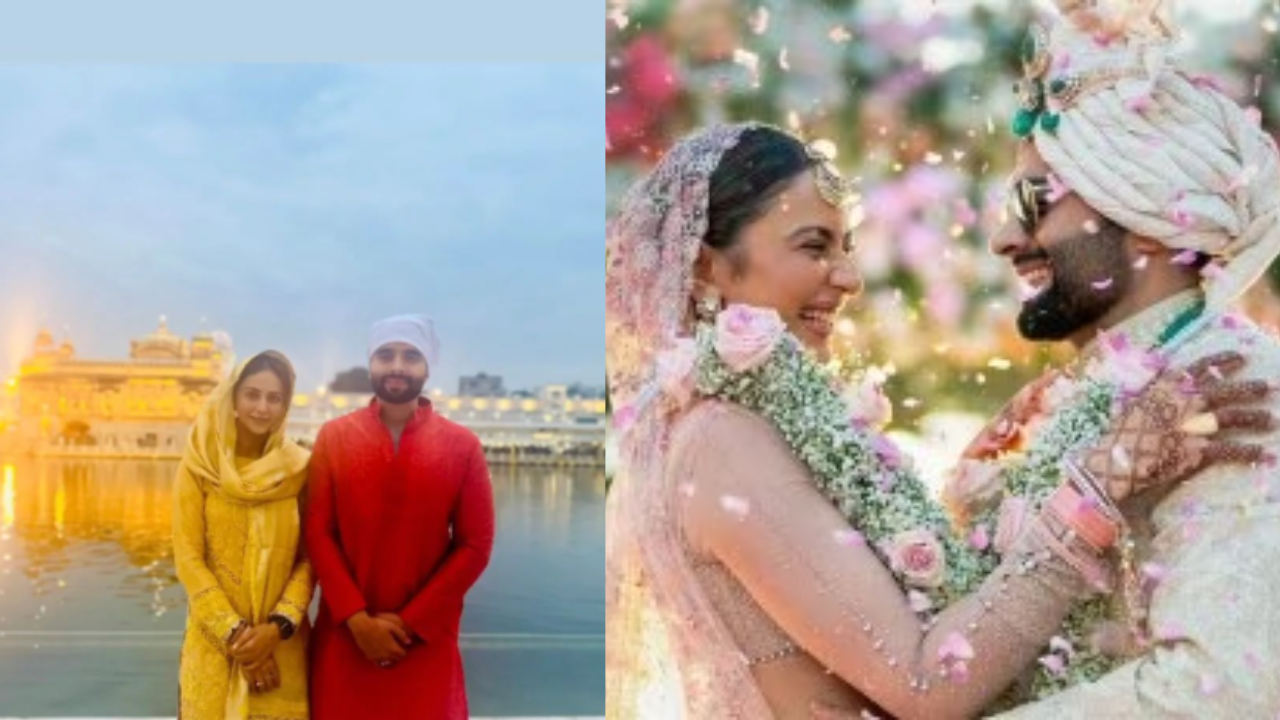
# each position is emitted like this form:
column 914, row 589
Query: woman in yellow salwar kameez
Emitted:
column 236, row 540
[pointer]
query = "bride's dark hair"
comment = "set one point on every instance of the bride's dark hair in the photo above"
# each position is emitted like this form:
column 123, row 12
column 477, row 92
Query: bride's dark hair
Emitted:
column 750, row 175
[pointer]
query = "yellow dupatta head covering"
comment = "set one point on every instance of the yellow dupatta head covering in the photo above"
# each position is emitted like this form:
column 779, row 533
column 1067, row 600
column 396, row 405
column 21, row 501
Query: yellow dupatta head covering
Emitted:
column 211, row 450
column 268, row 488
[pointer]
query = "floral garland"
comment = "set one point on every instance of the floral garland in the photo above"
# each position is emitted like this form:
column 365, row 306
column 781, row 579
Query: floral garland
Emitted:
column 1084, row 411
column 749, row 358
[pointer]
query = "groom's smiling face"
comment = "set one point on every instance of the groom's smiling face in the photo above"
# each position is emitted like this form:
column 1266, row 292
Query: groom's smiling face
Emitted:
column 1073, row 265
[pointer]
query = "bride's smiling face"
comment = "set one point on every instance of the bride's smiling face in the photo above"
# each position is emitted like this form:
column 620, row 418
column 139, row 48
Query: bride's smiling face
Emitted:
column 793, row 258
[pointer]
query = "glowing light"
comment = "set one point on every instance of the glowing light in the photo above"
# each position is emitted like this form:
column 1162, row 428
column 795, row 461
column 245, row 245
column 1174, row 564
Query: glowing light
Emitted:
column 7, row 505
column 60, row 509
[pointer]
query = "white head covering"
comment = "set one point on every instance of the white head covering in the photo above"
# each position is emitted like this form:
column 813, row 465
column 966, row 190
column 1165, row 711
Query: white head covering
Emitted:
column 1161, row 153
column 415, row 330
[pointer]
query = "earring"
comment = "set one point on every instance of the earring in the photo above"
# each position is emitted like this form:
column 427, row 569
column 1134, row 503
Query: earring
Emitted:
column 708, row 306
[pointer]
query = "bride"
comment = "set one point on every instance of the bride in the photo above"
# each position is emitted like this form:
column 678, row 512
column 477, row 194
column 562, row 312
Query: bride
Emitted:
column 767, row 551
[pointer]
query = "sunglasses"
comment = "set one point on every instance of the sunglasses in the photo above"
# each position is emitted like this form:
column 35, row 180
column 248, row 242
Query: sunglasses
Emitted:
column 1028, row 201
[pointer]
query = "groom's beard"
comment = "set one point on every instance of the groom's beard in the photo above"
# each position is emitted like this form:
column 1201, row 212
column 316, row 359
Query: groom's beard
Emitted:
column 411, row 391
column 1072, row 301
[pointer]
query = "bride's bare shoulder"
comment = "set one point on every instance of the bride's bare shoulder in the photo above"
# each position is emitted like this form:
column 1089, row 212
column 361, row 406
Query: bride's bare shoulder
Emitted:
column 719, row 425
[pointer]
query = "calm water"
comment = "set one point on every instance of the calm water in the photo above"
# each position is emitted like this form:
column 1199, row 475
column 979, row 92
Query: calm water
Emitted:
column 91, row 612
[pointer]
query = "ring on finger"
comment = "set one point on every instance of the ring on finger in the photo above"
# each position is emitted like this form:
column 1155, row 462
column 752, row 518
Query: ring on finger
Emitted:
column 1205, row 423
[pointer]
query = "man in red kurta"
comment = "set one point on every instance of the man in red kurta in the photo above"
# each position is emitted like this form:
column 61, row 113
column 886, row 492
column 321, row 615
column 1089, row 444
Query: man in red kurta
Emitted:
column 399, row 526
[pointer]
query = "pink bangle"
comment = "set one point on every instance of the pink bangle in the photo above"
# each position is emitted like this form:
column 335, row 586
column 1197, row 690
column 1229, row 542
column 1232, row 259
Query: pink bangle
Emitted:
column 1084, row 517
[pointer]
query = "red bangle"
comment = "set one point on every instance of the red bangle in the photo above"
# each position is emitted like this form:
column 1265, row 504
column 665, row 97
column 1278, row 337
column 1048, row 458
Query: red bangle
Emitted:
column 1084, row 517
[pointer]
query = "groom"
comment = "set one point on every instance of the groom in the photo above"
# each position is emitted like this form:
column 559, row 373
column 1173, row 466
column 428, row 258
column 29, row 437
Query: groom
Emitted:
column 1143, row 203
column 399, row 527
column 1137, row 203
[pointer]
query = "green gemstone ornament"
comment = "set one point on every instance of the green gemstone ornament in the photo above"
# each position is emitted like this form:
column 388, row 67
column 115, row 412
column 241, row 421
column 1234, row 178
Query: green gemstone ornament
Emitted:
column 1024, row 121
column 1050, row 122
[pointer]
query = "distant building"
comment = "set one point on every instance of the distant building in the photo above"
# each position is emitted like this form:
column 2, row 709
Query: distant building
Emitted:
column 549, row 427
column 481, row 386
column 144, row 404
column 586, row 392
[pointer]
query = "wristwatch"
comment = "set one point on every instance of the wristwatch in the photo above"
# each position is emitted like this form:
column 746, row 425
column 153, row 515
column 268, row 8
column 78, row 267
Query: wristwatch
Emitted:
column 285, row 625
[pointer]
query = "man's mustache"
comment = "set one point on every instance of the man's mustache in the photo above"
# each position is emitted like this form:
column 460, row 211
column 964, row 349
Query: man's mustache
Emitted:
column 1035, row 255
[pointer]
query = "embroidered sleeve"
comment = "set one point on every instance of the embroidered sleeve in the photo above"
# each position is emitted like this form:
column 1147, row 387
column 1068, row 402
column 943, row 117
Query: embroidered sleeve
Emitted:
column 210, row 607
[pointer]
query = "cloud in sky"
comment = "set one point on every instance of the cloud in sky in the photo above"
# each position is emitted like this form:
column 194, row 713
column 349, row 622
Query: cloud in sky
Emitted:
column 293, row 205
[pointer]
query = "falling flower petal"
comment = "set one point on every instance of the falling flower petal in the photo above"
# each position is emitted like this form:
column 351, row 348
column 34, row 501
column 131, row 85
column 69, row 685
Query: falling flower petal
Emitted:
column 850, row 538
column 1086, row 504
column 736, row 506
column 1140, row 263
column 932, row 158
column 888, row 453
column 782, row 60
column 1121, row 458
column 955, row 647
column 619, row 17
column 1054, row 664
column 1061, row 645
column 1212, row 271
column 1246, row 176
column 1208, row 82
column 1181, row 217
column 1139, row 104
column 980, row 539
column 1102, row 284
column 750, row 61
column 760, row 20
column 1091, row 227
column 613, row 90
column 999, row 363
column 1154, row 573
column 1057, row 189
column 625, row 418
column 1186, row 257
column 839, row 34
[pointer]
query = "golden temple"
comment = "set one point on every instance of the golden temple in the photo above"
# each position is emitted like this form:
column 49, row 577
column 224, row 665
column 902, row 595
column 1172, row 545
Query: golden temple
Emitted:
column 141, row 406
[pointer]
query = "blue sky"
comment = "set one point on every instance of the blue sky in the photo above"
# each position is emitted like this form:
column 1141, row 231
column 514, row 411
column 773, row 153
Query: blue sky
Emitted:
column 293, row 205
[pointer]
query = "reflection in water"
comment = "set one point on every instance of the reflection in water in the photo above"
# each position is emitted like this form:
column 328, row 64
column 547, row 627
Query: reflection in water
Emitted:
column 6, row 500
column 88, row 591
column 81, row 514
column 113, row 518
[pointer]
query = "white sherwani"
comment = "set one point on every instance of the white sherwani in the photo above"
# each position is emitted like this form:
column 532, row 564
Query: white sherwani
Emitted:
column 1217, row 611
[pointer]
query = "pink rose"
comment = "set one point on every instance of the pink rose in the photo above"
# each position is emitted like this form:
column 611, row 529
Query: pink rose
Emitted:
column 917, row 556
column 973, row 485
column 675, row 370
column 746, row 336
column 1125, row 364
column 867, row 403
column 1013, row 519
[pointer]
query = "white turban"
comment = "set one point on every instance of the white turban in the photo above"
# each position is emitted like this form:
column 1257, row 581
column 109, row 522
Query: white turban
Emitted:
column 415, row 330
column 1162, row 154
